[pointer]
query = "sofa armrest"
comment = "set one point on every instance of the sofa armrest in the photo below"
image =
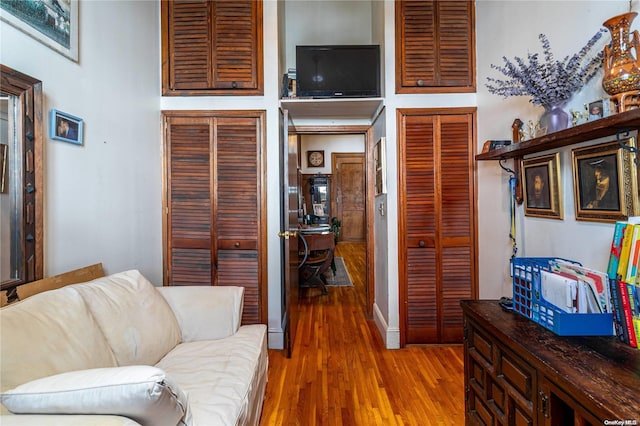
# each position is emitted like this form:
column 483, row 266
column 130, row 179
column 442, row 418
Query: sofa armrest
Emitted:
column 205, row 313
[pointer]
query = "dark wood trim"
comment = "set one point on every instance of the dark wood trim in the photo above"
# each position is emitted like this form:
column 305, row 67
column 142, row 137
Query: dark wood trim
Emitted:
column 29, row 92
column 367, row 131
column 401, row 115
column 608, row 126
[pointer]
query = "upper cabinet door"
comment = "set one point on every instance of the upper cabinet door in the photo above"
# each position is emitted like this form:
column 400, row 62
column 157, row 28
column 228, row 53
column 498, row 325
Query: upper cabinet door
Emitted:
column 212, row 47
column 435, row 46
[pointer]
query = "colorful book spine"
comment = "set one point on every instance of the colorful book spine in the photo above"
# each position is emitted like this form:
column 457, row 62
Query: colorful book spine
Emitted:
column 625, row 251
column 618, row 316
column 634, row 253
column 626, row 311
column 616, row 248
column 634, row 303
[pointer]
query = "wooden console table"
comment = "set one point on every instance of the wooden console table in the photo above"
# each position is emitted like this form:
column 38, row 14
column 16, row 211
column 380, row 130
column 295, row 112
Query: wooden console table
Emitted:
column 519, row 373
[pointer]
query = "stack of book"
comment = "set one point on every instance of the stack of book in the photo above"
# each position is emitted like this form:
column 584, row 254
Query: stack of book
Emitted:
column 289, row 88
column 624, row 280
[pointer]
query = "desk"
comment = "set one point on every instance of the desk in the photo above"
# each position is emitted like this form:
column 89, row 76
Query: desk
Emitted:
column 317, row 258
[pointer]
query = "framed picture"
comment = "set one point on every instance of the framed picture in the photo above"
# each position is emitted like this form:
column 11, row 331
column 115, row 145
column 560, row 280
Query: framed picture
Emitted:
column 4, row 160
column 380, row 166
column 65, row 127
column 52, row 23
column 541, row 186
column 596, row 110
column 605, row 182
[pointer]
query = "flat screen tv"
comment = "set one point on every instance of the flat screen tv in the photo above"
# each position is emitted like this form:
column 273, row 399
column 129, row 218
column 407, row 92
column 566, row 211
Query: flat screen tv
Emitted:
column 345, row 71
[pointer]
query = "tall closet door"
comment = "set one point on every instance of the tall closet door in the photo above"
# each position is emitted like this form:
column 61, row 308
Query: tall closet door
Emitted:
column 214, row 204
column 437, row 223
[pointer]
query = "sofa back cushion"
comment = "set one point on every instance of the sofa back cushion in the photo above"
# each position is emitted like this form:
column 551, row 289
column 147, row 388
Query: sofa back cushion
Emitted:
column 49, row 333
column 136, row 320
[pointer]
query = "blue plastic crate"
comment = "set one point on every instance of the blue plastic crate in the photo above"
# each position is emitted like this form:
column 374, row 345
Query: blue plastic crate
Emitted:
column 528, row 302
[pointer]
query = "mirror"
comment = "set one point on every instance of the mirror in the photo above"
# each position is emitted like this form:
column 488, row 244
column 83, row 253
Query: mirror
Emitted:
column 21, row 180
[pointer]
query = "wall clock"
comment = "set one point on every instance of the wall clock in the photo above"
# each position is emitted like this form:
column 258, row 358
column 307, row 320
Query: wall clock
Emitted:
column 315, row 158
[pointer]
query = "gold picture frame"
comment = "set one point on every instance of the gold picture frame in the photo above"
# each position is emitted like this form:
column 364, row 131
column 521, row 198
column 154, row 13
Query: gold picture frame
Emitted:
column 541, row 187
column 4, row 164
column 605, row 182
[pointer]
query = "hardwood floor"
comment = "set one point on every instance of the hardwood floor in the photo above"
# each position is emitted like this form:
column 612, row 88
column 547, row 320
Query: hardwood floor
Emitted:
column 341, row 374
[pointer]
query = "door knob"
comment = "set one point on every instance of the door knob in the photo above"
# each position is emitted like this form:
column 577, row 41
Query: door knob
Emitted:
column 287, row 234
column 421, row 243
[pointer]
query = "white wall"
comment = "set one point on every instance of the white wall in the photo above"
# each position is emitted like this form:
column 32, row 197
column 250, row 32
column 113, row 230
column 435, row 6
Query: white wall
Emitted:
column 511, row 29
column 103, row 199
column 330, row 144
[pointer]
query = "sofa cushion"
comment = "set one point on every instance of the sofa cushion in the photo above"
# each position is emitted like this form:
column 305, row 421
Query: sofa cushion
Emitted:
column 142, row 393
column 225, row 379
column 136, row 320
column 49, row 333
column 205, row 312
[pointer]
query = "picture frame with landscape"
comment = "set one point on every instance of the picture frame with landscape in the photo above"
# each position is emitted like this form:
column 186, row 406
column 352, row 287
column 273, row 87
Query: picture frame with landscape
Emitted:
column 605, row 182
column 541, row 187
column 54, row 24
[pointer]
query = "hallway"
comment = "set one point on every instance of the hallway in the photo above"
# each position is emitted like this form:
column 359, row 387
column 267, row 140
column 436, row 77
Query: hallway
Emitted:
column 340, row 373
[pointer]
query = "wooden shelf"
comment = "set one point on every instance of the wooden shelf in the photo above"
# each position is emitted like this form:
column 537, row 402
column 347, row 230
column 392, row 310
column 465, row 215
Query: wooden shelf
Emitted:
column 608, row 126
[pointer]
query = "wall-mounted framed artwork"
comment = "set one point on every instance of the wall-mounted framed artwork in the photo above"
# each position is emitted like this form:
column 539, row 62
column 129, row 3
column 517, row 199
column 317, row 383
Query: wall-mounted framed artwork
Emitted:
column 4, row 165
column 52, row 23
column 65, row 127
column 380, row 166
column 605, row 182
column 541, row 187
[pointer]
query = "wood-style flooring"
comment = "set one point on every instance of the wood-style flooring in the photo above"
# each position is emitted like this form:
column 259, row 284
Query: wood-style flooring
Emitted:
column 341, row 374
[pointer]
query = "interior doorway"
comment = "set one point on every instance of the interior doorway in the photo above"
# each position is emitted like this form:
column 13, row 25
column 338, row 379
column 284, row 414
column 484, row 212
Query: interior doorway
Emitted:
column 367, row 197
column 349, row 194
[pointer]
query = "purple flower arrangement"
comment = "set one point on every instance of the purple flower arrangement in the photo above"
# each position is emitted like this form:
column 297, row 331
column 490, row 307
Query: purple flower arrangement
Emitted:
column 551, row 82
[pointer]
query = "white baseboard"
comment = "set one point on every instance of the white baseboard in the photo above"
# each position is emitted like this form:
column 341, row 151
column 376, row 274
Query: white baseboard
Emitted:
column 276, row 338
column 390, row 335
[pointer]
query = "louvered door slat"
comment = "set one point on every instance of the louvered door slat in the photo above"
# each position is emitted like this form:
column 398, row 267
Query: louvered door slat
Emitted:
column 189, row 193
column 237, row 210
column 214, row 200
column 422, row 299
column 237, row 191
column 212, row 47
column 435, row 45
column 235, row 44
column 455, row 43
column 190, row 44
column 438, row 224
column 456, row 174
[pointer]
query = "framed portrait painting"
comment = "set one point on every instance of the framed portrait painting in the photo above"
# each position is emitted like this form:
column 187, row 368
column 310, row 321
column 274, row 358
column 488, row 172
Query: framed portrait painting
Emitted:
column 541, row 186
column 605, row 182
column 65, row 127
column 52, row 23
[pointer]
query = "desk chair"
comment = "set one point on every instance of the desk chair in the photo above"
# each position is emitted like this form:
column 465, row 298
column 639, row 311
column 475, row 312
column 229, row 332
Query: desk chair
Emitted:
column 319, row 248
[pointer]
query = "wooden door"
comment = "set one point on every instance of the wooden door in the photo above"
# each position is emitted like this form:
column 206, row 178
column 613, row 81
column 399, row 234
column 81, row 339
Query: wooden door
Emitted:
column 214, row 232
column 289, row 219
column 212, row 47
column 349, row 194
column 437, row 222
column 435, row 46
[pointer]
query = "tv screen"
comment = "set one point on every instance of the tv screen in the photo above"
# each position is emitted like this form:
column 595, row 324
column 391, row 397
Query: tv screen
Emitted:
column 338, row 71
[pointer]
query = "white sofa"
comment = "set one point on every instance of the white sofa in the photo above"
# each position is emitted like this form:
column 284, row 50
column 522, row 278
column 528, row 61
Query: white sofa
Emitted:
column 119, row 351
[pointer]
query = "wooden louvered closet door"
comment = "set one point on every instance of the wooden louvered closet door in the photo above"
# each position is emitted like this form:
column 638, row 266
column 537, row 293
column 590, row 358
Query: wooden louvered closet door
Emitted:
column 212, row 47
column 215, row 205
column 435, row 43
column 437, row 223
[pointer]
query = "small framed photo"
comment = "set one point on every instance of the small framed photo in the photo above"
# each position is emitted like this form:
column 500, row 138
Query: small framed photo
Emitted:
column 541, row 185
column 605, row 182
column 65, row 127
column 596, row 110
